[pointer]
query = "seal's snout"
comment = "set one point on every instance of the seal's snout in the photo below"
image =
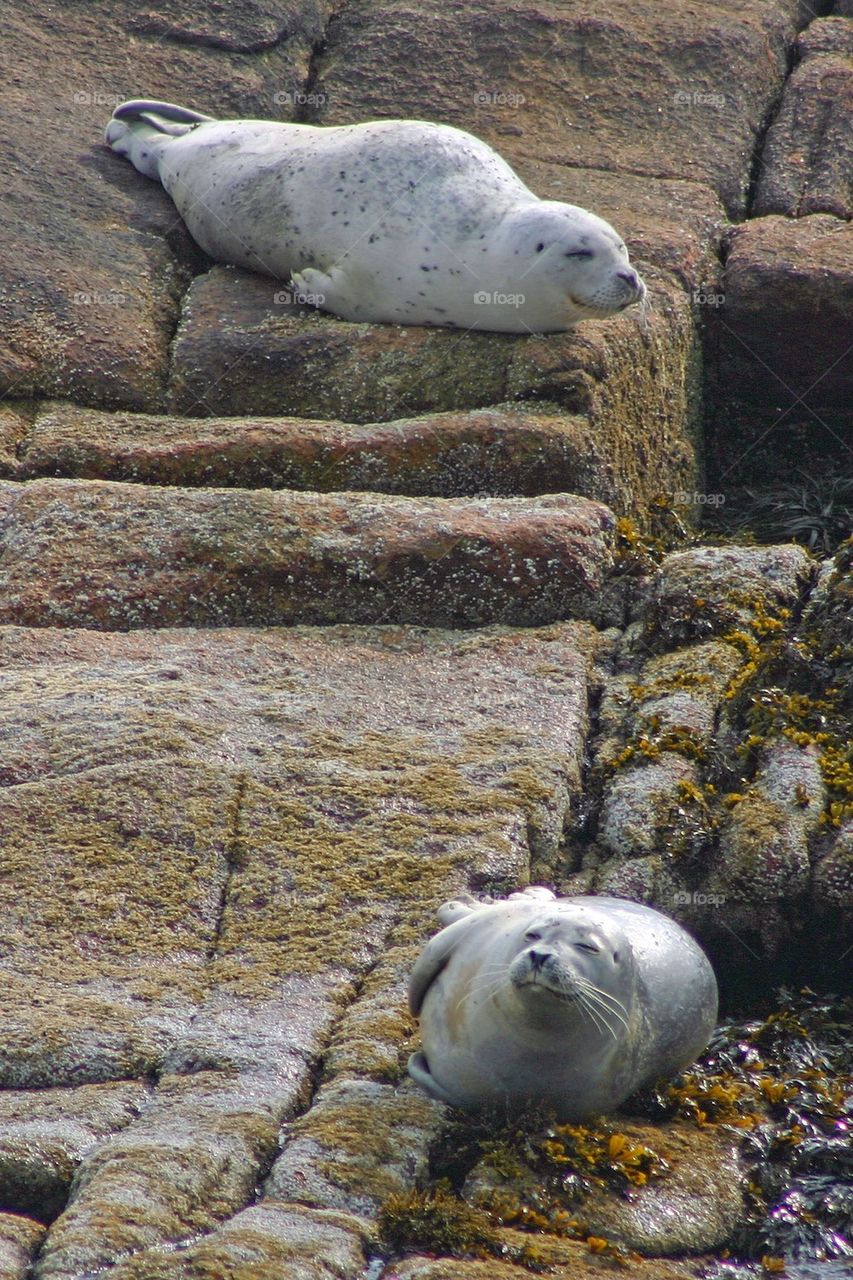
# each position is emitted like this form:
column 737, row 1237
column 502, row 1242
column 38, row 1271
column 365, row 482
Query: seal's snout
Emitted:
column 538, row 958
column 631, row 278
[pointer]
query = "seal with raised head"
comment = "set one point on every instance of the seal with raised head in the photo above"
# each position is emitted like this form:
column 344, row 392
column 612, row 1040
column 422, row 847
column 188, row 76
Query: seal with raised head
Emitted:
column 571, row 1002
column 400, row 221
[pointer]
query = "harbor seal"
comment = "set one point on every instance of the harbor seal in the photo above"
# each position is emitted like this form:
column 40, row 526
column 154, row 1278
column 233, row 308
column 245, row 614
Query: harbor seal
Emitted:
column 573, row 1002
column 400, row 221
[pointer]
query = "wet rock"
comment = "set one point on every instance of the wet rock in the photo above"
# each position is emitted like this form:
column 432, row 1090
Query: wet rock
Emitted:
column 374, row 1037
column 192, row 1159
column 678, row 95
column 694, row 1207
column 276, row 1241
column 19, row 1241
column 764, row 863
column 693, row 1210
column 45, row 1133
column 159, row 557
column 637, row 814
column 671, row 693
column 808, row 155
column 782, row 397
column 833, row 876
column 360, row 1142
column 711, row 591
column 565, row 1260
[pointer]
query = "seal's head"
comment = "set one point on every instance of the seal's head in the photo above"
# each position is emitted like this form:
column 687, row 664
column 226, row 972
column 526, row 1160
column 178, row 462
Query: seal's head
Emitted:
column 566, row 956
column 575, row 258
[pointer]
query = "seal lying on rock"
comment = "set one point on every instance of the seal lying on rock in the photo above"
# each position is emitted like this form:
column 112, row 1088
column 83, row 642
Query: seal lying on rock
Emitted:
column 395, row 220
column 574, row 1002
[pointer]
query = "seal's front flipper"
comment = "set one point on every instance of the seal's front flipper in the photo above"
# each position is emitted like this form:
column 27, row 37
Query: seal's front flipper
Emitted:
column 418, row 1069
column 141, row 129
column 315, row 288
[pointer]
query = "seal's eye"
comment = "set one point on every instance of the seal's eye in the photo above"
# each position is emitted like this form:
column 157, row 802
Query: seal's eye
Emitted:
column 579, row 253
column 540, row 246
column 533, row 936
column 587, row 946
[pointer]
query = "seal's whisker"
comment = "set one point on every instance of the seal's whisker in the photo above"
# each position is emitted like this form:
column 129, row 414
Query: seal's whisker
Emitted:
column 598, row 997
column 615, row 1006
column 596, row 1018
column 585, row 1001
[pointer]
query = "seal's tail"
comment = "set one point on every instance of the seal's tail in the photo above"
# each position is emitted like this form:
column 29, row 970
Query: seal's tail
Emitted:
column 140, row 129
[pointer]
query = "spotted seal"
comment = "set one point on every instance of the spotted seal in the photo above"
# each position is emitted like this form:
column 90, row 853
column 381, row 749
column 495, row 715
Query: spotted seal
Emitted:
column 400, row 221
column 574, row 1002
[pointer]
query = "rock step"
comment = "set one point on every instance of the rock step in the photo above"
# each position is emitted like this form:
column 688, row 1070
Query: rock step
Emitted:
column 498, row 451
column 120, row 556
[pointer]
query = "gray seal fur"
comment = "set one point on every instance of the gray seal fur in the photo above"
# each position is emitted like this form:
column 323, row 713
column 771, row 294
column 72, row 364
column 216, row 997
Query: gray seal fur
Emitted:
column 572, row 1002
column 400, row 221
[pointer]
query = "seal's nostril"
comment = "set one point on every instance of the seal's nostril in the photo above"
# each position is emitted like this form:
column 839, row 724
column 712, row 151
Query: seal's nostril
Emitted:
column 537, row 958
column 630, row 276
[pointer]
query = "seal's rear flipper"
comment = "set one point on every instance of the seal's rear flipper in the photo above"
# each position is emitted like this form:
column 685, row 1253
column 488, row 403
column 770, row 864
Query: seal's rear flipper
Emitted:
column 140, row 129
column 418, row 1069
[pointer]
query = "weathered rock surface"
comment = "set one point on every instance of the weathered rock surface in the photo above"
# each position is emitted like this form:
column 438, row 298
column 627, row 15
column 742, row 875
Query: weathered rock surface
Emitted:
column 807, row 161
column 223, row 848
column 45, row 1133
column 238, row 350
column 19, row 1239
column 730, row 865
column 91, row 553
column 501, row 451
column 674, row 94
column 783, row 377
column 694, row 1207
column 565, row 1259
column 284, row 1242
column 186, row 803
column 711, row 591
column 94, row 260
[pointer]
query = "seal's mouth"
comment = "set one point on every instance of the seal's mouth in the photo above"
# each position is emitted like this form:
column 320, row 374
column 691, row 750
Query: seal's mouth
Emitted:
column 633, row 295
column 544, row 973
